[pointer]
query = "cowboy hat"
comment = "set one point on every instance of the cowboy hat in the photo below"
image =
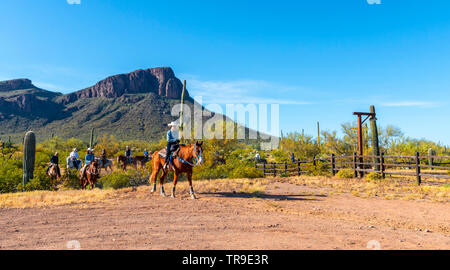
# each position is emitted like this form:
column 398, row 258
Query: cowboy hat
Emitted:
column 172, row 124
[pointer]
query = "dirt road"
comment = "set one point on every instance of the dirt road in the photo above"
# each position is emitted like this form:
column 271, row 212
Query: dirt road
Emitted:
column 284, row 216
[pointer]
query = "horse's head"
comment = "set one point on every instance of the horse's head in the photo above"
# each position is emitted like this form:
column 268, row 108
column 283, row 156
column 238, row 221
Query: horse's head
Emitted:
column 198, row 152
column 94, row 167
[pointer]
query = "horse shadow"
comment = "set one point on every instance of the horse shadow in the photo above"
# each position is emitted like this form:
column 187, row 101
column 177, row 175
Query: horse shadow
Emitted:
column 260, row 195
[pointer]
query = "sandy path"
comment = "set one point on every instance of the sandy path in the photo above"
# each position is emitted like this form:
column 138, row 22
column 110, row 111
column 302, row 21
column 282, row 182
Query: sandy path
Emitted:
column 286, row 216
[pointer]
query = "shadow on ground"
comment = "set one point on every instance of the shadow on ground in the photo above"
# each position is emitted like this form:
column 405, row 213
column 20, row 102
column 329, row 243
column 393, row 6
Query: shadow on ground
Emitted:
column 289, row 197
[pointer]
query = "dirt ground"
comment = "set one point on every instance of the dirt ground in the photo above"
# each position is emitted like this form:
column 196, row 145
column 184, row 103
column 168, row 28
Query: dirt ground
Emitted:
column 284, row 216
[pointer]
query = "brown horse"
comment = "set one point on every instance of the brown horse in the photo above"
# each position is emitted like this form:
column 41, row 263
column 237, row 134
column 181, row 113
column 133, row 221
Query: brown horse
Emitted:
column 123, row 162
column 188, row 156
column 53, row 174
column 142, row 160
column 90, row 176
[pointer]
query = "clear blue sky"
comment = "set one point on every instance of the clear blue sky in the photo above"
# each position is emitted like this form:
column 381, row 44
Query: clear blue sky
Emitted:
column 321, row 60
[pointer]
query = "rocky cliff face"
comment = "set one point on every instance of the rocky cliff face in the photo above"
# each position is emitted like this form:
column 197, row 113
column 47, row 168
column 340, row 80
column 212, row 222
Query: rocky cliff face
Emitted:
column 17, row 84
column 161, row 81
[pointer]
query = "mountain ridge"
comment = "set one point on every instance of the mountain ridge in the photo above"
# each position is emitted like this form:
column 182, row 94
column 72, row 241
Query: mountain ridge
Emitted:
column 135, row 105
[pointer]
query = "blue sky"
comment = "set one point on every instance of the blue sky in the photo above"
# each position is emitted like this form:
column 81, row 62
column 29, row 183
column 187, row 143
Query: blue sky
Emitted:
column 320, row 60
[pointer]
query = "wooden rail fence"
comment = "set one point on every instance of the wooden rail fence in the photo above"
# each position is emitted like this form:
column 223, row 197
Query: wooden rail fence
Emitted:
column 402, row 165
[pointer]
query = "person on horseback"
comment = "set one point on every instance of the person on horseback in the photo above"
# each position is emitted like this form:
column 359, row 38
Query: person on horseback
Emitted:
column 103, row 156
column 257, row 156
column 54, row 161
column 88, row 159
column 128, row 154
column 74, row 157
column 172, row 140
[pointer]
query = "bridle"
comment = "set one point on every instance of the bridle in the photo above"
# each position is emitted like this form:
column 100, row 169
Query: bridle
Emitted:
column 89, row 172
column 194, row 158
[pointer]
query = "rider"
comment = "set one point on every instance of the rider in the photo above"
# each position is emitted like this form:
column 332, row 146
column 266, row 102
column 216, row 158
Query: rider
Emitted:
column 88, row 159
column 146, row 154
column 128, row 154
column 74, row 157
column 257, row 156
column 54, row 161
column 172, row 139
column 103, row 156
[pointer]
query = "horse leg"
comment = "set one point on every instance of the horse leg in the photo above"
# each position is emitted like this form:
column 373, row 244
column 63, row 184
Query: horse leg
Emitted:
column 191, row 189
column 175, row 180
column 161, row 181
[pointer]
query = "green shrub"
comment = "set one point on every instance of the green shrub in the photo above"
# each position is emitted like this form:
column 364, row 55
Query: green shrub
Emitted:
column 40, row 181
column 71, row 179
column 115, row 180
column 317, row 170
column 10, row 174
column 374, row 176
column 345, row 173
column 245, row 172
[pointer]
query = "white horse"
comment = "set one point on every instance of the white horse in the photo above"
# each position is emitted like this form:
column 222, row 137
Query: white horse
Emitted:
column 71, row 164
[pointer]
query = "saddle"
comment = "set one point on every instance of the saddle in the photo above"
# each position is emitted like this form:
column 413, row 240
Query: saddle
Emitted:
column 174, row 149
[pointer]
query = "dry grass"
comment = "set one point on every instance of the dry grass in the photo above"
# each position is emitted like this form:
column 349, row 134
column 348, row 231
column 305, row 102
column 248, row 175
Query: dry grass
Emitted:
column 54, row 198
column 389, row 188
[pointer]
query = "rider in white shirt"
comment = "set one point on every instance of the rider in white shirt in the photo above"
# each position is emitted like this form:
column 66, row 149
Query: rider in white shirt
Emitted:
column 74, row 153
column 74, row 156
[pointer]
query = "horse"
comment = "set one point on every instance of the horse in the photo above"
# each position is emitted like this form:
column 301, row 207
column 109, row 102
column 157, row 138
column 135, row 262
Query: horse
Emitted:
column 186, row 158
column 123, row 162
column 53, row 174
column 104, row 165
column 142, row 160
column 90, row 176
column 71, row 164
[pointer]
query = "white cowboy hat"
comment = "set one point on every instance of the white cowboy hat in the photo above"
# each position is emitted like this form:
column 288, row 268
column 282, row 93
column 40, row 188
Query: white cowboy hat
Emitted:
column 172, row 124
column 75, row 149
column 90, row 149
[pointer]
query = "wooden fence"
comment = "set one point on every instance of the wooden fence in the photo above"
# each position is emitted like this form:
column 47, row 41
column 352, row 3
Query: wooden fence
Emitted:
column 416, row 166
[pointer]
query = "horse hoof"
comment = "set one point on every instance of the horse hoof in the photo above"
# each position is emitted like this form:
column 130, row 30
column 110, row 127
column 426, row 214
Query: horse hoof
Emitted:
column 163, row 195
column 173, row 196
column 193, row 197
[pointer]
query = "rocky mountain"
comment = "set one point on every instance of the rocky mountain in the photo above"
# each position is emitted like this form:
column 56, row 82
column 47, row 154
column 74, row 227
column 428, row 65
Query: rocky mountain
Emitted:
column 135, row 105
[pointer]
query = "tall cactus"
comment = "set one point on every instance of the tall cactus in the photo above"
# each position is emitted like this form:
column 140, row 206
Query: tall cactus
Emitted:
column 29, row 152
column 91, row 141
column 374, row 138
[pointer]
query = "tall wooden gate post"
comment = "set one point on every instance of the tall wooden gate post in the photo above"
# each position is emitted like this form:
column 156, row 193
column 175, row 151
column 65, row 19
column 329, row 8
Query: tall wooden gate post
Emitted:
column 333, row 165
column 419, row 178
column 298, row 167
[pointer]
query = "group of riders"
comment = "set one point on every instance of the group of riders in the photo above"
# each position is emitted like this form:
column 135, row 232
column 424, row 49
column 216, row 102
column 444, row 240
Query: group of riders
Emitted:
column 172, row 143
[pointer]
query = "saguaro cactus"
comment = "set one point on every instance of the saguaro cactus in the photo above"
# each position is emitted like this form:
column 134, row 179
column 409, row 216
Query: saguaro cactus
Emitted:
column 29, row 152
column 91, row 141
column 374, row 138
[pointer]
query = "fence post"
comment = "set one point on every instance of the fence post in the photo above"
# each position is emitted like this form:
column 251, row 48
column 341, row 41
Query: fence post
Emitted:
column 314, row 162
column 333, row 165
column 285, row 168
column 298, row 167
column 355, row 171
column 264, row 169
column 274, row 171
column 382, row 168
column 419, row 179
